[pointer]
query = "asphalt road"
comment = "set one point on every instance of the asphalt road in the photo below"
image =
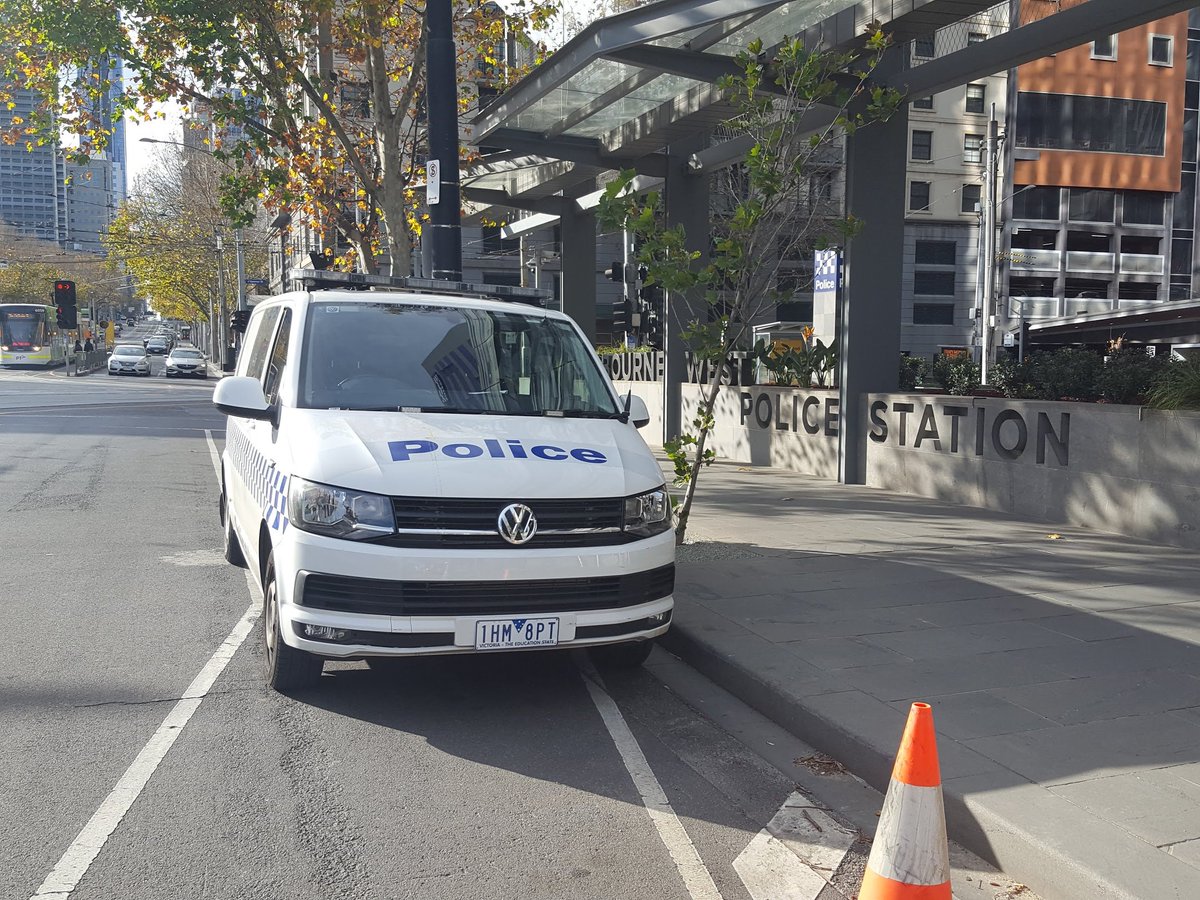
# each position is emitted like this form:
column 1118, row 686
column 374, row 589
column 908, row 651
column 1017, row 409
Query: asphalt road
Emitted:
column 489, row 777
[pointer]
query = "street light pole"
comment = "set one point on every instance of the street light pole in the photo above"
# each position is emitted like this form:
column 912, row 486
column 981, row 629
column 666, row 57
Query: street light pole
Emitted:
column 442, row 87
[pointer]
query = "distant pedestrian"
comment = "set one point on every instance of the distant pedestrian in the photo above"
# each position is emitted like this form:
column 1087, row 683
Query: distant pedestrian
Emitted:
column 88, row 346
column 78, row 346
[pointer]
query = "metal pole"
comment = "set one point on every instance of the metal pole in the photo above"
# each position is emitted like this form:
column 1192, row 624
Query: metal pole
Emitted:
column 241, row 287
column 989, row 285
column 1021, row 338
column 442, row 92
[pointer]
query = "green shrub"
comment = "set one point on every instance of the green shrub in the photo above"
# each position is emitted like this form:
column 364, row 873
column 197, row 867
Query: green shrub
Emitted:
column 1010, row 377
column 1177, row 386
column 1066, row 374
column 1128, row 375
column 956, row 374
column 912, row 372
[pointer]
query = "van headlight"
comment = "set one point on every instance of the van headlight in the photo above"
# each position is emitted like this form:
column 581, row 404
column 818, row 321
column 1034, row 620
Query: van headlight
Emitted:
column 337, row 512
column 648, row 514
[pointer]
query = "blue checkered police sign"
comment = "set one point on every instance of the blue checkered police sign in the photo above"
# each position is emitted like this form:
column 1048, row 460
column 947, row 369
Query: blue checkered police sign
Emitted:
column 827, row 266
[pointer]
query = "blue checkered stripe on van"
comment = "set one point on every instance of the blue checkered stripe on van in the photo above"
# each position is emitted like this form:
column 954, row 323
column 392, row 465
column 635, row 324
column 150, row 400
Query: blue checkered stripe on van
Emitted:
column 267, row 485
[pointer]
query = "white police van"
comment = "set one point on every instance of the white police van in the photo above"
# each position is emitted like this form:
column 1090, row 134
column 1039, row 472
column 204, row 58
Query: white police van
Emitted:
column 415, row 472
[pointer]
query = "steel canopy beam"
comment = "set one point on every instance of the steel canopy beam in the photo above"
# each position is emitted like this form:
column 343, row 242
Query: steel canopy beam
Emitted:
column 1057, row 31
column 549, row 205
column 585, row 151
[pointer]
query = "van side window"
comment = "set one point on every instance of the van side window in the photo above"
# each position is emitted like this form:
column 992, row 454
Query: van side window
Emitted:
column 278, row 359
column 258, row 343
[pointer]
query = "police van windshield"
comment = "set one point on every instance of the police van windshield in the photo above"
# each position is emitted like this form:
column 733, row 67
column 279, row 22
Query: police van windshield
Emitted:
column 403, row 356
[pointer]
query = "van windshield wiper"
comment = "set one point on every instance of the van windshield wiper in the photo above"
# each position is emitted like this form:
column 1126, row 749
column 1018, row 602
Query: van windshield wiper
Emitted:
column 581, row 414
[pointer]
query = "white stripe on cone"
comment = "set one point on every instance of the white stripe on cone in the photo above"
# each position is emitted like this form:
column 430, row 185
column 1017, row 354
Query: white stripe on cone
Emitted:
column 910, row 843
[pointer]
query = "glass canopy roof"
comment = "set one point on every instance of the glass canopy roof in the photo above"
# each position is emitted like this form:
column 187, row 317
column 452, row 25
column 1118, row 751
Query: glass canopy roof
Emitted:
column 590, row 96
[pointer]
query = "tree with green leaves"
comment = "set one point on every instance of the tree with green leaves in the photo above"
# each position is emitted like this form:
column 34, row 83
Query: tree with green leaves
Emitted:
column 773, row 207
column 165, row 235
column 318, row 105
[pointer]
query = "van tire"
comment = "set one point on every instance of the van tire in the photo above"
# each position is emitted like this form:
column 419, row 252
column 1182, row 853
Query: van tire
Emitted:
column 233, row 549
column 629, row 655
column 288, row 669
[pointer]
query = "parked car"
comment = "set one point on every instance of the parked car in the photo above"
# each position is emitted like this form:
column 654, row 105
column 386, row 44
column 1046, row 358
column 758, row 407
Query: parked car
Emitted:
column 185, row 362
column 128, row 359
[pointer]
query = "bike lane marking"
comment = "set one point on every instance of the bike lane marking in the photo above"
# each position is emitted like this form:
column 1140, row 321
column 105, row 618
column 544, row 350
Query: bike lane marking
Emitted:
column 79, row 856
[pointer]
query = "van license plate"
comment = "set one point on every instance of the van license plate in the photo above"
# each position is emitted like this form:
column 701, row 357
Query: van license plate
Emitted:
column 503, row 634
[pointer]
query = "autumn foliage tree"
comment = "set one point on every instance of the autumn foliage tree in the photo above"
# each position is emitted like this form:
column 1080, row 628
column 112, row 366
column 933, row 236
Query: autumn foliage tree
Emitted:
column 318, row 105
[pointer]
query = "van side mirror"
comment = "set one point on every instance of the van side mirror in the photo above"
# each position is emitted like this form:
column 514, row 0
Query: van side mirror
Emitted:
column 639, row 414
column 242, row 396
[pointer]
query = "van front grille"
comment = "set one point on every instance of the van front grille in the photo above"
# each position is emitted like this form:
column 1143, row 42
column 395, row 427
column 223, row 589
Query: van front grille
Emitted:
column 430, row 598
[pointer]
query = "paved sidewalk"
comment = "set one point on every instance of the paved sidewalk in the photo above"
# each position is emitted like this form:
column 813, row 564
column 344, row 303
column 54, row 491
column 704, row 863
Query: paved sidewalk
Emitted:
column 1063, row 665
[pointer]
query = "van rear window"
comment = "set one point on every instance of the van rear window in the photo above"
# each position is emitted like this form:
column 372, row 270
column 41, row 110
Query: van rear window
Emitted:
column 393, row 355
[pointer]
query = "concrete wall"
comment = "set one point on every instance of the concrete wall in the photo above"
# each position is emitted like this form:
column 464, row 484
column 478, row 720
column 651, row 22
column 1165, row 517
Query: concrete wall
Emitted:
column 762, row 425
column 1114, row 468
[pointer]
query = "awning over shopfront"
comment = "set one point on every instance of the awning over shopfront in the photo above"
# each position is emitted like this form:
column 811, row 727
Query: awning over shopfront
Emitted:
column 1157, row 323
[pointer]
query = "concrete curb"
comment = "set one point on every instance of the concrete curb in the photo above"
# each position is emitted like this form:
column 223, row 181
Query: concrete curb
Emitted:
column 1023, row 829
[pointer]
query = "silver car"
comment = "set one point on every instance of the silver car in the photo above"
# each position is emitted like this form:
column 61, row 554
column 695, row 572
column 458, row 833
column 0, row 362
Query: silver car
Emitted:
column 128, row 359
column 185, row 361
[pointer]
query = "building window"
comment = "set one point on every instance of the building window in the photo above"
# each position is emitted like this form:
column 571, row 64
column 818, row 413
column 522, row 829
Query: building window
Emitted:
column 1091, row 205
column 935, row 253
column 936, row 284
column 933, row 313
column 975, row 98
column 918, row 196
column 922, row 145
column 1099, row 124
column 1142, row 208
column 970, row 198
column 1036, row 203
column 1162, row 50
column 923, row 103
column 923, row 47
column 495, row 245
column 1105, row 47
column 973, row 148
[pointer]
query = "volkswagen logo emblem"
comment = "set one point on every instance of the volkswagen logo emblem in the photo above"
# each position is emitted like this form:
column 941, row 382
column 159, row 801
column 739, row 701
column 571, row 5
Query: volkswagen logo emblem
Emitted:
column 517, row 524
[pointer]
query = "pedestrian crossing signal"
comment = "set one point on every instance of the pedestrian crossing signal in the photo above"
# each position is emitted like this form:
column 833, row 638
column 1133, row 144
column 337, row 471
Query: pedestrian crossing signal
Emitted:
column 64, row 300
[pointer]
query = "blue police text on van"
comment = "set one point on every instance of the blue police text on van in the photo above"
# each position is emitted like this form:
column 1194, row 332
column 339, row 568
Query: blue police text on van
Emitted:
column 511, row 448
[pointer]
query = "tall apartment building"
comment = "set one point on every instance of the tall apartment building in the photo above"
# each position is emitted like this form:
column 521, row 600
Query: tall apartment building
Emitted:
column 32, row 195
column 95, row 190
column 943, row 227
column 1102, row 159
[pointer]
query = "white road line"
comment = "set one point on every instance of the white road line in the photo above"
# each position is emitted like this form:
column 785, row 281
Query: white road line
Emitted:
column 78, row 858
column 212, row 452
column 90, row 841
column 794, row 857
column 696, row 877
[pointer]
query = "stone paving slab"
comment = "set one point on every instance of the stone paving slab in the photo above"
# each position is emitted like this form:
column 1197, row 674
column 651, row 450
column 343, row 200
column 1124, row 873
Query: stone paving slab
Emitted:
column 1063, row 665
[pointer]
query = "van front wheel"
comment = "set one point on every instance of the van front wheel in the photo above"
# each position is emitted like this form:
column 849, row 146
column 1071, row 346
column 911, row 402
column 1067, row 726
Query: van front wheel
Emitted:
column 288, row 669
column 622, row 656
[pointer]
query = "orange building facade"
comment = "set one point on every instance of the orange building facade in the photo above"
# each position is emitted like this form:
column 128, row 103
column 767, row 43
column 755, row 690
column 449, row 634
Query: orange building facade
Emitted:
column 1102, row 152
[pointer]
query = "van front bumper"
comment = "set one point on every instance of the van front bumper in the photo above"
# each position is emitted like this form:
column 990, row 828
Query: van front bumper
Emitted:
column 435, row 626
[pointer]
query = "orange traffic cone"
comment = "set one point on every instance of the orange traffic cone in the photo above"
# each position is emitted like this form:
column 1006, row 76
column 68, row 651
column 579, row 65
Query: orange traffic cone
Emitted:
column 910, row 859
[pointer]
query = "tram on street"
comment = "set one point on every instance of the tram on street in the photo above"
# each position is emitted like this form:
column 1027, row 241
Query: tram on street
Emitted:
column 30, row 336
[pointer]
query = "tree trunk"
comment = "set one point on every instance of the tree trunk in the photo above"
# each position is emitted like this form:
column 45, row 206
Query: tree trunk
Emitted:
column 685, row 508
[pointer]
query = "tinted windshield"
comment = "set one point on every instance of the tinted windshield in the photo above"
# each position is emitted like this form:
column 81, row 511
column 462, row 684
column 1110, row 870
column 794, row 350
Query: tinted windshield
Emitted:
column 128, row 351
column 398, row 355
column 186, row 354
column 23, row 328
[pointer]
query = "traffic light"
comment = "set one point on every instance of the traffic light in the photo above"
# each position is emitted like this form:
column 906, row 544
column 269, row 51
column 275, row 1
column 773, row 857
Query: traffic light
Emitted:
column 622, row 315
column 241, row 318
column 64, row 299
column 615, row 272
